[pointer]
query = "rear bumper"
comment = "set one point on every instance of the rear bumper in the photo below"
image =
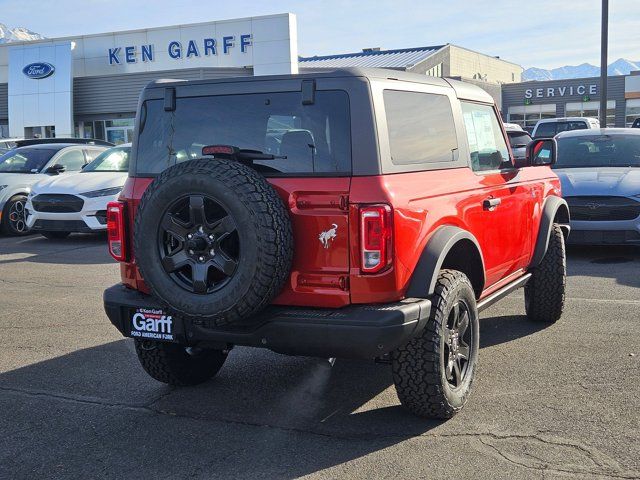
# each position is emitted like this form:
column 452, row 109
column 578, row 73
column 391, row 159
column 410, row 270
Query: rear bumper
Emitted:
column 357, row 331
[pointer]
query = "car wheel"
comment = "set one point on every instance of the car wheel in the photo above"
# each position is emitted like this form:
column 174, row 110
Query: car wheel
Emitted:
column 14, row 221
column 213, row 241
column 434, row 371
column 55, row 235
column 545, row 292
column 177, row 365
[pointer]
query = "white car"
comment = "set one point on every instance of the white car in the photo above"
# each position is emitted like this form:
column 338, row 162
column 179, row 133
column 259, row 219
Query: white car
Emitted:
column 550, row 127
column 61, row 205
column 22, row 167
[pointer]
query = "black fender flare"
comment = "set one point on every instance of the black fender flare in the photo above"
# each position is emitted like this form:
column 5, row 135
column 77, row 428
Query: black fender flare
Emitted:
column 432, row 257
column 553, row 208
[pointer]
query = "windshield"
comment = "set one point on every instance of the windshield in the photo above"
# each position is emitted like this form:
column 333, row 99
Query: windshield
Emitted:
column 311, row 138
column 112, row 160
column 598, row 151
column 26, row 160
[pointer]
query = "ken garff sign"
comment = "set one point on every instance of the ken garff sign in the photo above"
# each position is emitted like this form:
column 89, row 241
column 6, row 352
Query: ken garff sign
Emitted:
column 38, row 71
column 561, row 91
column 178, row 50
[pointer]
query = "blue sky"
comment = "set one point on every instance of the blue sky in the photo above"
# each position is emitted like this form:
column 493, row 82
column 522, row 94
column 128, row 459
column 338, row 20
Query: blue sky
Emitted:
column 542, row 33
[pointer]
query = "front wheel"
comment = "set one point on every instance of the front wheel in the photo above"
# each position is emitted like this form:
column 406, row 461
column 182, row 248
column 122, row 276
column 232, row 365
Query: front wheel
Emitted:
column 55, row 235
column 177, row 365
column 545, row 292
column 434, row 371
column 14, row 221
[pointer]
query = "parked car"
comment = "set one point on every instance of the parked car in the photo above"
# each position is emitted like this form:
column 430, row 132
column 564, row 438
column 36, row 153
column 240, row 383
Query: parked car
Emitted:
column 22, row 167
column 636, row 123
column 388, row 214
column 7, row 144
column 60, row 205
column 550, row 127
column 600, row 175
column 518, row 140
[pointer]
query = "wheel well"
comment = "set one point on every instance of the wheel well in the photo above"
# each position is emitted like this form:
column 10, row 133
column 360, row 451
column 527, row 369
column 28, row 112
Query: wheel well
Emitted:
column 464, row 257
column 562, row 218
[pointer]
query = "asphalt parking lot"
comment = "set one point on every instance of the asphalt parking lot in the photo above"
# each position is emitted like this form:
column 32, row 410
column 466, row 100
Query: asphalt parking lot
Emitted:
column 557, row 401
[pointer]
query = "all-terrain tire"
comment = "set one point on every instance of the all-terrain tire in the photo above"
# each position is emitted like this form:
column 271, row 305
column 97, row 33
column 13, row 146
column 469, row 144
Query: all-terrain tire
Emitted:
column 177, row 365
column 10, row 209
column 545, row 292
column 263, row 228
column 419, row 367
column 55, row 235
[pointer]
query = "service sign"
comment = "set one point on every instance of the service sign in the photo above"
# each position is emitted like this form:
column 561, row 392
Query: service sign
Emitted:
column 39, row 70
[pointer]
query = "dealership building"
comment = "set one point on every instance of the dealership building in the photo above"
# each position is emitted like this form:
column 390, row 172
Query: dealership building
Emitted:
column 88, row 86
column 527, row 102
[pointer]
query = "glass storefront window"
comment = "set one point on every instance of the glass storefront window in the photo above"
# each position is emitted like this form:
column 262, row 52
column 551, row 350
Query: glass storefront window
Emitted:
column 632, row 111
column 528, row 115
column 591, row 109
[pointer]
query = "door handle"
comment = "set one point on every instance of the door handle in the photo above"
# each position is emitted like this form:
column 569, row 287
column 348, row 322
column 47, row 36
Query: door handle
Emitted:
column 491, row 203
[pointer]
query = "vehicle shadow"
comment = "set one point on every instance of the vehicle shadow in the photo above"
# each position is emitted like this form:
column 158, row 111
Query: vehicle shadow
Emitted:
column 261, row 406
column 605, row 261
column 503, row 329
column 77, row 249
column 282, row 416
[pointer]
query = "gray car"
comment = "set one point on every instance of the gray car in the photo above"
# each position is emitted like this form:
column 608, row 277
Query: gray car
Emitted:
column 600, row 174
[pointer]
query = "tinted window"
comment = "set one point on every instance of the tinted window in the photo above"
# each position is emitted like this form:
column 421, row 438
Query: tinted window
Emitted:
column 112, row 160
column 598, row 151
column 313, row 138
column 72, row 160
column 566, row 126
column 421, row 128
column 518, row 139
column 26, row 160
column 487, row 146
column 546, row 129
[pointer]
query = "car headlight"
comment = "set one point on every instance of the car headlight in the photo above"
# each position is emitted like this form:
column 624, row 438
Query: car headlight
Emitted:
column 2, row 187
column 105, row 192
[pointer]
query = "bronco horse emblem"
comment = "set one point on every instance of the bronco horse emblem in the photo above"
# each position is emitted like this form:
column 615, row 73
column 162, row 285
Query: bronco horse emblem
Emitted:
column 327, row 236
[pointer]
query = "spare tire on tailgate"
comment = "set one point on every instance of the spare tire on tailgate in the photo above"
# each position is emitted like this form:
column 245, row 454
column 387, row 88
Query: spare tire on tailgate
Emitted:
column 213, row 240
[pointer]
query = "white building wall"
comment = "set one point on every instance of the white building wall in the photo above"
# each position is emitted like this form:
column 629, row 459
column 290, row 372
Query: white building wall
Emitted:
column 41, row 102
column 268, row 44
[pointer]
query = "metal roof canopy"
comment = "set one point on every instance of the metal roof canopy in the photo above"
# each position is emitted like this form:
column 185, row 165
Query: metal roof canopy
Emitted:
column 399, row 58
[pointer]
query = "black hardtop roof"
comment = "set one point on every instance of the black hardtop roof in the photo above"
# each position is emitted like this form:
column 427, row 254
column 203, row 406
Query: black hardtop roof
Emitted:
column 462, row 89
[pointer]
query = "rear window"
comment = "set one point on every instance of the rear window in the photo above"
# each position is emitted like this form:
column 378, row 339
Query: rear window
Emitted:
column 315, row 139
column 421, row 128
column 546, row 129
column 518, row 139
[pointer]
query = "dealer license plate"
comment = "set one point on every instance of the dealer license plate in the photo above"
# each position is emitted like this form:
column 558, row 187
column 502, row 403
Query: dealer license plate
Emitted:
column 152, row 324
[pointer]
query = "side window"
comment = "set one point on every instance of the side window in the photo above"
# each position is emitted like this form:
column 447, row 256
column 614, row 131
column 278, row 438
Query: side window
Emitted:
column 421, row 128
column 72, row 160
column 487, row 145
column 92, row 153
column 548, row 129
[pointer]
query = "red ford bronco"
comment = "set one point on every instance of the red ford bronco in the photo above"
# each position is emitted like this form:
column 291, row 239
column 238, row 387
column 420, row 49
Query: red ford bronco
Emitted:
column 352, row 213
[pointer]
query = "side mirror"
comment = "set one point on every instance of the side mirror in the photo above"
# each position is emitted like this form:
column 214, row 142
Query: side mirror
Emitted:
column 542, row 152
column 55, row 169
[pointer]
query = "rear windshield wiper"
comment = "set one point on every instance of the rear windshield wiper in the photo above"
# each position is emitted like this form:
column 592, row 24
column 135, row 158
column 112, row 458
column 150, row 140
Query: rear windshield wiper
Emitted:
column 234, row 153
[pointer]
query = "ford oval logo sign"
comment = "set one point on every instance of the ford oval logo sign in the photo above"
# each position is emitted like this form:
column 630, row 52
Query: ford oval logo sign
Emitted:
column 38, row 71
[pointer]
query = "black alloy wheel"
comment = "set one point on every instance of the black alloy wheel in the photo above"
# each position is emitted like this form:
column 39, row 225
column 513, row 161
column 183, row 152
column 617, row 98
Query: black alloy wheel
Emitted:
column 199, row 244
column 458, row 339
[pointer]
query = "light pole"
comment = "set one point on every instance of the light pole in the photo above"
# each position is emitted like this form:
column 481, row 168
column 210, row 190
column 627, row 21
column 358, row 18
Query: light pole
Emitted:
column 604, row 41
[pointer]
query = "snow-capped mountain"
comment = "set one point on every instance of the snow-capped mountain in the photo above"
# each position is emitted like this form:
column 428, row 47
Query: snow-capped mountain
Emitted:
column 18, row 34
column 619, row 67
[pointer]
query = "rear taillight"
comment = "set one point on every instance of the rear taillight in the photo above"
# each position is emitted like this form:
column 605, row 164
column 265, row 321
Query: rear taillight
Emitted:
column 115, row 231
column 376, row 235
